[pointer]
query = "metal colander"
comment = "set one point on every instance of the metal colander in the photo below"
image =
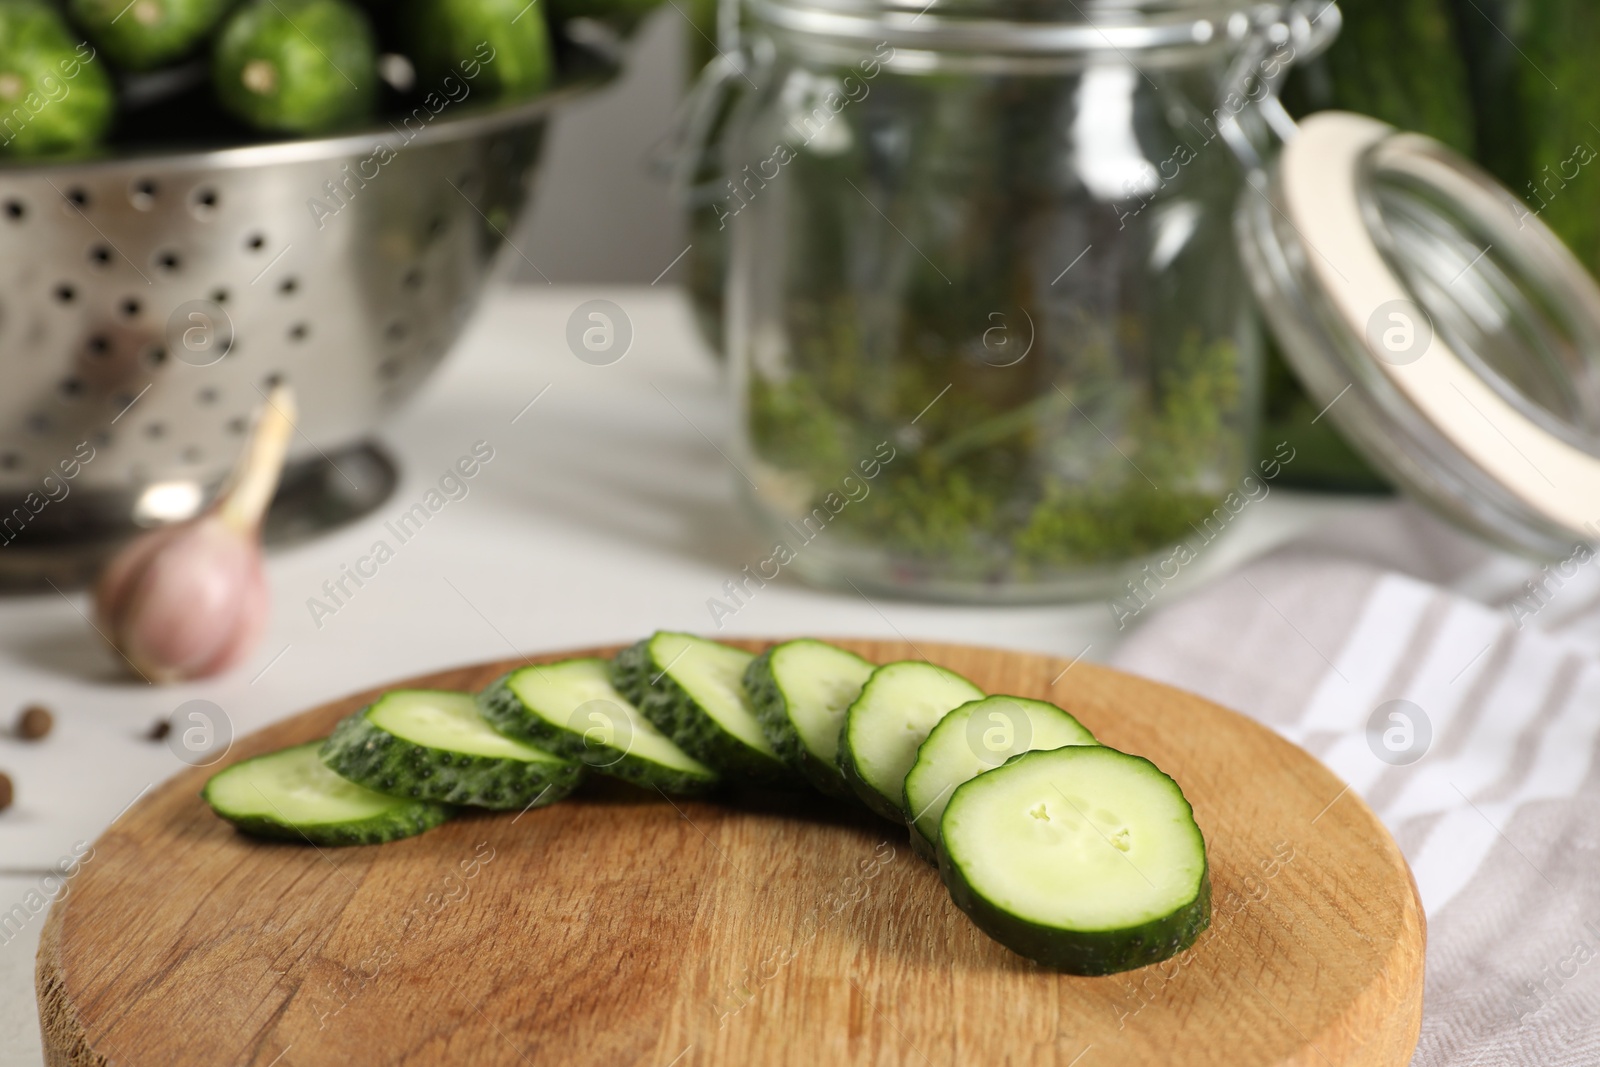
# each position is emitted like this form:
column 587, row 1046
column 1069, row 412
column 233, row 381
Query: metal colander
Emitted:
column 146, row 305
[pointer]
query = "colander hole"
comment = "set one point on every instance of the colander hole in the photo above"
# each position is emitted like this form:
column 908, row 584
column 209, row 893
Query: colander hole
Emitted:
column 78, row 198
column 155, row 431
column 10, row 461
column 120, row 402
column 99, row 255
column 273, row 380
column 468, row 182
column 168, row 260
column 395, row 331
column 66, row 293
column 288, row 285
column 130, row 308
column 389, row 368
column 102, row 438
column 219, row 296
column 206, row 198
column 192, row 454
column 16, row 210
column 413, row 278
column 299, row 331
column 39, row 422
column 72, row 387
column 99, row 345
column 435, row 226
column 255, row 242
column 142, row 194
column 207, row 395
column 156, row 355
column 238, row 425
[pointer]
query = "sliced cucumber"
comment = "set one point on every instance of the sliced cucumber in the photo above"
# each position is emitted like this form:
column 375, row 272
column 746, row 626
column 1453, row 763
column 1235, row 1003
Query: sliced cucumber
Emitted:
column 1084, row 859
column 571, row 709
column 291, row 794
column 800, row 691
column 434, row 745
column 897, row 708
column 977, row 737
column 693, row 690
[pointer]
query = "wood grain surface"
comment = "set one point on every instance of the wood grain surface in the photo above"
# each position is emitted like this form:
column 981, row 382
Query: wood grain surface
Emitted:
column 621, row 927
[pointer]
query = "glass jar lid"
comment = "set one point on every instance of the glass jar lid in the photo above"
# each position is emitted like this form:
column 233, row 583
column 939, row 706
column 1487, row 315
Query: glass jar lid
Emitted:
column 1443, row 327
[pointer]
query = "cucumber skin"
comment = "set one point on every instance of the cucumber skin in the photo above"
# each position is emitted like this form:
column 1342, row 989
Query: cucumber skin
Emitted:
column 1088, row 954
column 371, row 756
column 675, row 713
column 921, row 847
column 505, row 712
column 770, row 706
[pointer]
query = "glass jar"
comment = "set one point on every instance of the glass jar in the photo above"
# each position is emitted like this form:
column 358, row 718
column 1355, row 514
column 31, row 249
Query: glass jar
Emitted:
column 988, row 331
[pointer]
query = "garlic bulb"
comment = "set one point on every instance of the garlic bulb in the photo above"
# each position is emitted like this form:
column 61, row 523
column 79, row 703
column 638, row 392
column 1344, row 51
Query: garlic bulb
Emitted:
column 190, row 600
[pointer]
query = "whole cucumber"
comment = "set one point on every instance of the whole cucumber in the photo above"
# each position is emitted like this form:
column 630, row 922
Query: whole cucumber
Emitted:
column 297, row 66
column 146, row 34
column 501, row 46
column 55, row 93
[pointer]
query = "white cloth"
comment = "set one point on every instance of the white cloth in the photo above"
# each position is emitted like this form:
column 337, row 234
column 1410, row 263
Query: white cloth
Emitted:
column 1498, row 815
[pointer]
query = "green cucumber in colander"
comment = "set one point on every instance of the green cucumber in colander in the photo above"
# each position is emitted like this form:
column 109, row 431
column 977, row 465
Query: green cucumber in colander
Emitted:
column 800, row 691
column 572, row 709
column 296, row 66
column 693, row 690
column 141, row 35
column 55, row 94
column 292, row 795
column 898, row 706
column 496, row 49
column 978, row 737
column 1084, row 859
column 434, row 745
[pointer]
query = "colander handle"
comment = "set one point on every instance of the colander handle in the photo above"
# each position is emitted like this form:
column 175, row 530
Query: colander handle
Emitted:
column 1253, row 120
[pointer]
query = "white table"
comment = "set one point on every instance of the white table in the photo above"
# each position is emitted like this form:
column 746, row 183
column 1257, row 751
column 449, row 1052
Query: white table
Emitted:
column 606, row 512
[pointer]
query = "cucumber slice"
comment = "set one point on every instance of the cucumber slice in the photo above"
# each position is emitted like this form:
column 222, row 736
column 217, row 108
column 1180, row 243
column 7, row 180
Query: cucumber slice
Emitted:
column 292, row 795
column 800, row 691
column 571, row 709
column 977, row 737
column 693, row 690
column 433, row 745
column 897, row 708
column 1084, row 859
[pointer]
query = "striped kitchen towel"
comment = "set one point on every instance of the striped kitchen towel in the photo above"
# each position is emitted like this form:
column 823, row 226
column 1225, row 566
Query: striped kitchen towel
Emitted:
column 1458, row 691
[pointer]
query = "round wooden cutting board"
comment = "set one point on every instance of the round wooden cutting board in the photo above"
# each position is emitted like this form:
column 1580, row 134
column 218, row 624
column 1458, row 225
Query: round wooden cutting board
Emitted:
column 620, row 927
